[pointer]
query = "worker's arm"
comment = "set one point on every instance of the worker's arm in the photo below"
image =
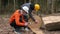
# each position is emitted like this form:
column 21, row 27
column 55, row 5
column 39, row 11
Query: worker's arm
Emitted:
column 30, row 14
column 17, row 20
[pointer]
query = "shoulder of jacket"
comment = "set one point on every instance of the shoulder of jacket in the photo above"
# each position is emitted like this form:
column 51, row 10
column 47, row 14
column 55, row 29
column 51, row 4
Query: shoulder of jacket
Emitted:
column 18, row 11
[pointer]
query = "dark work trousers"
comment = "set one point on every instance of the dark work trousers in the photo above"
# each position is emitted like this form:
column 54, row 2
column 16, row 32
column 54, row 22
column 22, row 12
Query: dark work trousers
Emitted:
column 18, row 28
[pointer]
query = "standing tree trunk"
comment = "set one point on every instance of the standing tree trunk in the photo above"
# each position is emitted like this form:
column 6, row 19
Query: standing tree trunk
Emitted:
column 55, row 6
column 0, row 6
column 49, row 6
column 30, row 1
column 52, row 9
column 24, row 1
column 8, row 2
column 36, row 1
column 14, row 4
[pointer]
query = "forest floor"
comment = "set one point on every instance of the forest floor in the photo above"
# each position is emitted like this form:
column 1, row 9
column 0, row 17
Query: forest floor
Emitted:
column 5, row 28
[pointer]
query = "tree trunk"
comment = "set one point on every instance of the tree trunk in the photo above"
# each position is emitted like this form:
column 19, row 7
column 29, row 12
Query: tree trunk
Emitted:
column 55, row 6
column 24, row 1
column 48, row 6
column 0, row 6
column 52, row 9
column 14, row 4
column 30, row 1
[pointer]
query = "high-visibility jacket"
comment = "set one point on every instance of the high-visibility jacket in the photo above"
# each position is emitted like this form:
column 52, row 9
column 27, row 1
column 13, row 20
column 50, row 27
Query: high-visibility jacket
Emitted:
column 16, row 17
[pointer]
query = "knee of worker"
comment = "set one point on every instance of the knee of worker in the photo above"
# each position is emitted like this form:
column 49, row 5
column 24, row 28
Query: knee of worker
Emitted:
column 13, row 24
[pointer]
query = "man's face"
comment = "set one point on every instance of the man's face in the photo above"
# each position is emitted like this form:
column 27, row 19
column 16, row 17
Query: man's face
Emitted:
column 24, row 12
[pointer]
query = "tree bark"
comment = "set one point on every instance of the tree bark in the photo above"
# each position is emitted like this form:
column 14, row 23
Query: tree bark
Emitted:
column 52, row 9
column 0, row 6
column 14, row 4
column 30, row 1
column 48, row 6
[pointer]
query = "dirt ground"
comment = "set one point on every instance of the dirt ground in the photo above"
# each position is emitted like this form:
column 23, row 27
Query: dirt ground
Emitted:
column 5, row 28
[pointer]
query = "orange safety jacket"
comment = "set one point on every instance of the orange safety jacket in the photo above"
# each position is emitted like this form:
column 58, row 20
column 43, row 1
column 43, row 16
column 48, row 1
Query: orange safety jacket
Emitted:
column 16, row 16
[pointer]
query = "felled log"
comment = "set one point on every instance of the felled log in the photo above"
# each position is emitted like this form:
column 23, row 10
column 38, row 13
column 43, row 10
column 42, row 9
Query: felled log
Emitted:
column 35, row 27
column 52, row 22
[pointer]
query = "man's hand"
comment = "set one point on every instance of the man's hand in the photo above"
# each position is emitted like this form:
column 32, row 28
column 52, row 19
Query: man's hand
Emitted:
column 26, row 24
column 36, row 21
